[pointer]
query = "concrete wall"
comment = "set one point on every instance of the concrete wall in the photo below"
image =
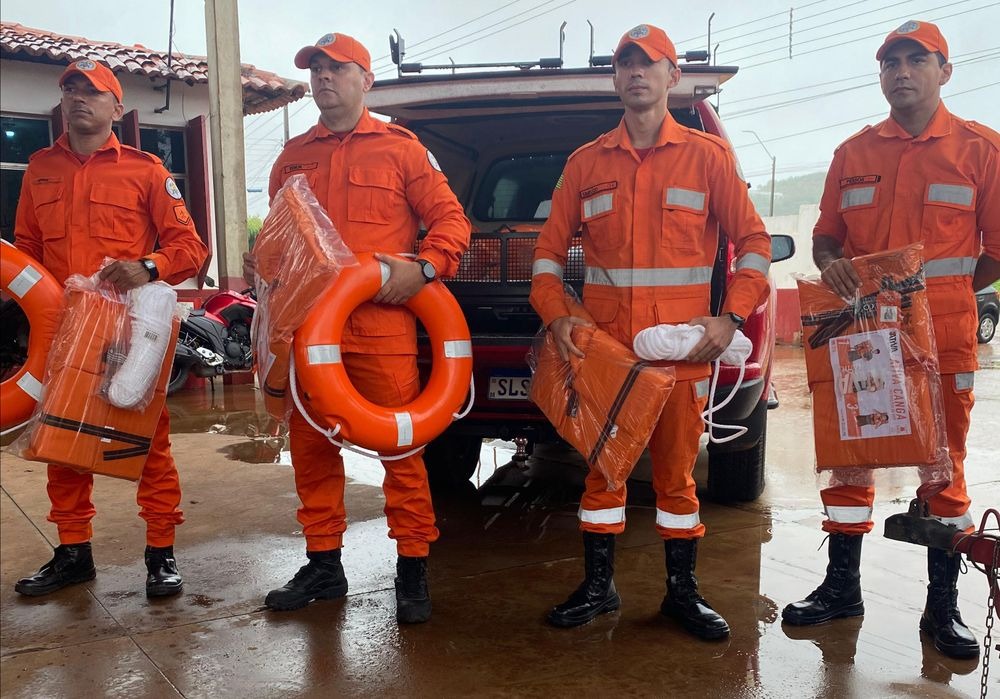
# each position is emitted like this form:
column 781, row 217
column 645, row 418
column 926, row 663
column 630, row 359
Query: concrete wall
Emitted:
column 31, row 89
column 800, row 227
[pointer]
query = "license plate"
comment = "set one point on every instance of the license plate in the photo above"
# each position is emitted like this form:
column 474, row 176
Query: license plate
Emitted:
column 509, row 387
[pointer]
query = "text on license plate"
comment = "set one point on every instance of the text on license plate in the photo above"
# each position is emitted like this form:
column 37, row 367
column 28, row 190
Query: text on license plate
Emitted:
column 509, row 387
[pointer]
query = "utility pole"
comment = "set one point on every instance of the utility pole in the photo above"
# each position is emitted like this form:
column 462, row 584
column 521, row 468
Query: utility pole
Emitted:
column 284, row 114
column 773, row 168
column 225, row 95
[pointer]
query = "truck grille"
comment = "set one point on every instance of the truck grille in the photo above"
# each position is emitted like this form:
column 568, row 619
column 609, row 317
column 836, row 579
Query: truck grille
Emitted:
column 505, row 258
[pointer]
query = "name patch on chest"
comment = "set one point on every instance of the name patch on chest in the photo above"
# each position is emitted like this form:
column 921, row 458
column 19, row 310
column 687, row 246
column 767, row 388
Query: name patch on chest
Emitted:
column 860, row 179
column 597, row 188
column 298, row 167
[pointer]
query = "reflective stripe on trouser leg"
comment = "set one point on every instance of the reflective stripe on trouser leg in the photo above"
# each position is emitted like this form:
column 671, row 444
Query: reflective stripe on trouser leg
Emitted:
column 393, row 380
column 159, row 492
column 673, row 449
column 848, row 509
column 951, row 505
column 602, row 511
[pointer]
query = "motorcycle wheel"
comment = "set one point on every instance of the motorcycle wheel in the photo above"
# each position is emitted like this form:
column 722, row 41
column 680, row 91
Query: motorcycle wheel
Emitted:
column 178, row 377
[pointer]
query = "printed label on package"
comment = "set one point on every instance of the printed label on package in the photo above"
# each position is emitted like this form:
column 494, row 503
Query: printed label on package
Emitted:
column 870, row 385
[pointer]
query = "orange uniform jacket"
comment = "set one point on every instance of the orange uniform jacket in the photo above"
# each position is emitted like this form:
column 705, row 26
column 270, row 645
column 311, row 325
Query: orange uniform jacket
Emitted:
column 117, row 204
column 377, row 184
column 650, row 234
column 887, row 189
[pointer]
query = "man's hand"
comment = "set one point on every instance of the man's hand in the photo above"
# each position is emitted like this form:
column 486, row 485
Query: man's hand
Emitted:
column 405, row 280
column 841, row 276
column 719, row 331
column 125, row 274
column 562, row 332
column 250, row 269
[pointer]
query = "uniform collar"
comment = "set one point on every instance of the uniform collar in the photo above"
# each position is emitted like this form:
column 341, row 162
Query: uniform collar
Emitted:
column 938, row 126
column 670, row 132
column 112, row 144
column 366, row 124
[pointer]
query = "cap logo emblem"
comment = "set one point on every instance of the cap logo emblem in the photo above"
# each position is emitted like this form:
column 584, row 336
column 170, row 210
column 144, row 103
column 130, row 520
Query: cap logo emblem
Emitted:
column 326, row 40
column 85, row 65
column 908, row 27
column 640, row 32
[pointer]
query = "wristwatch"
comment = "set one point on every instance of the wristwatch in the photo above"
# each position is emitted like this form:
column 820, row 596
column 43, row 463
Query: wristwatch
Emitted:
column 738, row 319
column 150, row 266
column 427, row 269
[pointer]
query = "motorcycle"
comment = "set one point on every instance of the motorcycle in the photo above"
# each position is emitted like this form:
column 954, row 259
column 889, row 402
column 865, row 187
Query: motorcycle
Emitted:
column 215, row 339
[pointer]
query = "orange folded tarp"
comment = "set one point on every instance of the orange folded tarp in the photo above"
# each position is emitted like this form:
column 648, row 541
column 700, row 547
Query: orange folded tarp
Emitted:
column 74, row 425
column 606, row 404
column 873, row 370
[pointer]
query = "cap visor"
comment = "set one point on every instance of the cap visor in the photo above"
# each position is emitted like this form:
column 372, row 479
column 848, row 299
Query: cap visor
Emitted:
column 304, row 55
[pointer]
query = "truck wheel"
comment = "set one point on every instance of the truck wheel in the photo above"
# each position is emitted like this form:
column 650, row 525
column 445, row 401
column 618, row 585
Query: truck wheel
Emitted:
column 451, row 459
column 178, row 377
column 737, row 475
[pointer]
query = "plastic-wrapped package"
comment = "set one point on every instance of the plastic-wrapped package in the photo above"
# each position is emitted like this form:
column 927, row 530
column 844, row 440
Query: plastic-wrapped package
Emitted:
column 103, row 334
column 873, row 372
column 299, row 253
column 606, row 404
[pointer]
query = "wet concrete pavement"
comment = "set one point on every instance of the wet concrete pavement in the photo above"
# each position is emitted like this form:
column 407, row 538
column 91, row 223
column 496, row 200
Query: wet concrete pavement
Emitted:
column 507, row 552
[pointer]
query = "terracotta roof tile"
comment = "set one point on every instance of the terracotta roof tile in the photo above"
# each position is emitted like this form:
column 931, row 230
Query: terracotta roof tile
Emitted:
column 263, row 90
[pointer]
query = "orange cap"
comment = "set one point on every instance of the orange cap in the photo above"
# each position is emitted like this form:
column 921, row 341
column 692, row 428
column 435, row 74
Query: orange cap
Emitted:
column 99, row 75
column 653, row 41
column 339, row 47
column 924, row 33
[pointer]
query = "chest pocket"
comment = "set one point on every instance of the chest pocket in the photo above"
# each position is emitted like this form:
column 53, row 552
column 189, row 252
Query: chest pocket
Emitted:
column 114, row 213
column 50, row 211
column 370, row 195
column 602, row 226
column 949, row 212
column 685, row 215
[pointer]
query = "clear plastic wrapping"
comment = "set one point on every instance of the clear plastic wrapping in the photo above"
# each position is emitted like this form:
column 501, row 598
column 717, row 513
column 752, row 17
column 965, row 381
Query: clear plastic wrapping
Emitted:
column 873, row 372
column 299, row 253
column 105, row 379
column 606, row 404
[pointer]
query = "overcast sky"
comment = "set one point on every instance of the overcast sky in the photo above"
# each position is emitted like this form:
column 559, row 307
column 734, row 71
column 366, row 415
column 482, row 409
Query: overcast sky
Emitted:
column 801, row 107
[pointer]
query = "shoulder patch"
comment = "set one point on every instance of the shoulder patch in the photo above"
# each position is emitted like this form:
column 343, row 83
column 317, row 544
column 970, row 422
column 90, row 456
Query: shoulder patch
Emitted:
column 172, row 189
column 433, row 161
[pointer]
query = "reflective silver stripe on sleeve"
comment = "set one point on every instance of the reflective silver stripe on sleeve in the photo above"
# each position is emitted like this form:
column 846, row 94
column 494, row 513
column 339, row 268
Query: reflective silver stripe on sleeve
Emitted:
column 688, row 198
column 859, row 196
column 30, row 385
column 848, row 515
column 753, row 261
column 951, row 194
column 962, row 521
column 950, row 267
column 404, row 429
column 24, row 281
column 965, row 381
column 600, row 204
column 323, row 354
column 543, row 266
column 384, row 270
column 701, row 388
column 611, row 515
column 454, row 349
column 669, row 276
column 668, row 520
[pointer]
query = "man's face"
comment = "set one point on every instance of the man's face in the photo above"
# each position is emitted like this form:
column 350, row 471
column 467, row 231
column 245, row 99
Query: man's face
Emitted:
column 338, row 86
column 640, row 83
column 911, row 77
column 87, row 109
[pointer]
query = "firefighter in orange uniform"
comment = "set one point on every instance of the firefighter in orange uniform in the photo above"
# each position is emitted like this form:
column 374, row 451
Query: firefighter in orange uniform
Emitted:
column 85, row 198
column 924, row 175
column 649, row 197
column 377, row 183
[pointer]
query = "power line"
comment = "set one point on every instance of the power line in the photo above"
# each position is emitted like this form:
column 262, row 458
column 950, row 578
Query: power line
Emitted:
column 742, row 25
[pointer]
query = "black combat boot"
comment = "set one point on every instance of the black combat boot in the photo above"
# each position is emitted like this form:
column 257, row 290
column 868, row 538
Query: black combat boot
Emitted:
column 162, row 580
column 682, row 601
column 839, row 595
column 596, row 594
column 70, row 564
column 321, row 578
column 941, row 618
column 413, row 602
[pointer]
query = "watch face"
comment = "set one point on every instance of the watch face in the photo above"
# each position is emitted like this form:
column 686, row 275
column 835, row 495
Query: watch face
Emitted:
column 428, row 270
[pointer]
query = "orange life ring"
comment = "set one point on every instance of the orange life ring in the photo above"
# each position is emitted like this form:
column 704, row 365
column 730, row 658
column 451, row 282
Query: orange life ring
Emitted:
column 40, row 296
column 327, row 391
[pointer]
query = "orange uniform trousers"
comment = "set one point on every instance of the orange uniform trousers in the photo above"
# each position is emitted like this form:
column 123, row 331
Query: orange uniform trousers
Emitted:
column 389, row 380
column 673, row 449
column 158, row 496
column 845, row 504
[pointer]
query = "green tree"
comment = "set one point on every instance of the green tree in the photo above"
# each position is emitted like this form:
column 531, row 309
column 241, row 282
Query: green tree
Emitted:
column 789, row 193
column 254, row 224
